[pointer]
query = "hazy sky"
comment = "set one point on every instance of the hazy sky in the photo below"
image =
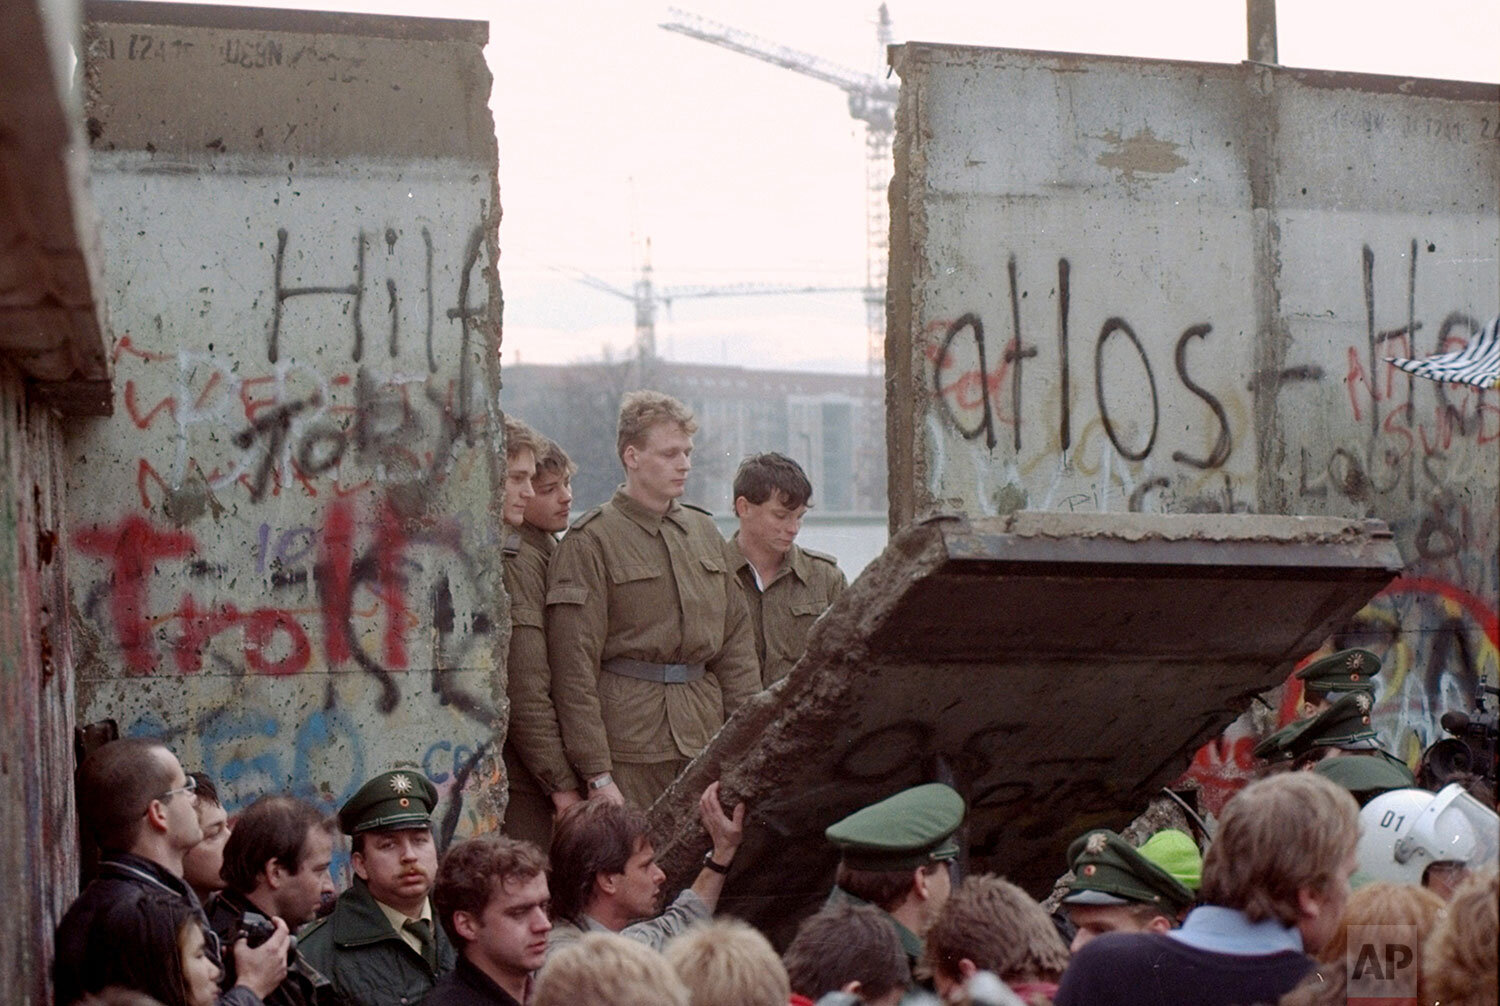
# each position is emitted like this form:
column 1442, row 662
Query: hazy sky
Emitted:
column 613, row 130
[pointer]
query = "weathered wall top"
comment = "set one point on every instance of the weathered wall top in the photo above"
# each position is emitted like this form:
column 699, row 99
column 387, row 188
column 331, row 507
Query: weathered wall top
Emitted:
column 287, row 558
column 1056, row 668
column 1146, row 286
column 385, row 70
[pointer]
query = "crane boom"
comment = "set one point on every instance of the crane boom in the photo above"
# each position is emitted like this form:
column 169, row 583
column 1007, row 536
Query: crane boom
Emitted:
column 869, row 96
column 872, row 101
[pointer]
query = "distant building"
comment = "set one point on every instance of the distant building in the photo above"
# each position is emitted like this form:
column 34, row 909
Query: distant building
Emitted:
column 832, row 424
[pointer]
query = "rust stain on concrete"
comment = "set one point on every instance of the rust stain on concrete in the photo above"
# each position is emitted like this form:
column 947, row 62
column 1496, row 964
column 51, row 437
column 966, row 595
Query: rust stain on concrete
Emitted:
column 1144, row 152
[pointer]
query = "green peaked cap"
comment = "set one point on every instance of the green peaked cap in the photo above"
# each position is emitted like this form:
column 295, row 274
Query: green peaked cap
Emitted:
column 1107, row 870
column 1344, row 671
column 1345, row 724
column 391, row 800
column 1275, row 747
column 910, row 829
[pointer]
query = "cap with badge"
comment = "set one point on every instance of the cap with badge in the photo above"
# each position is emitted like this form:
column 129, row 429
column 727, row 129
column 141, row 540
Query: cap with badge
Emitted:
column 1344, row 671
column 1344, row 725
column 390, row 801
column 1107, row 870
column 902, row 832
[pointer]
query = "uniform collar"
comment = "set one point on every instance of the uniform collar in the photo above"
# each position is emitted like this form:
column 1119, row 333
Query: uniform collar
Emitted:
column 796, row 561
column 538, row 539
column 648, row 520
column 359, row 918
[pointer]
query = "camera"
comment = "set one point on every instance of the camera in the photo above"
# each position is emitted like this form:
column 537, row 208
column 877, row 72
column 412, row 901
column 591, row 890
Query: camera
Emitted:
column 1472, row 748
column 256, row 929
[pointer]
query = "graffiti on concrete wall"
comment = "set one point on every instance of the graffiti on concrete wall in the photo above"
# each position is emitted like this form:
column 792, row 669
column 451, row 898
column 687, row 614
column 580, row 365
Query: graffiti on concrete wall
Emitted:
column 1101, row 408
column 299, row 548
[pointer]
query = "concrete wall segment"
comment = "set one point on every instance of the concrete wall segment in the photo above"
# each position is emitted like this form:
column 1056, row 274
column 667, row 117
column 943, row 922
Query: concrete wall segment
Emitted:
column 1131, row 285
column 1056, row 668
column 288, row 559
column 39, row 849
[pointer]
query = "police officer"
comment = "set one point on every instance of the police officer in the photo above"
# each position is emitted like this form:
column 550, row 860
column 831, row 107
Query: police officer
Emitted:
column 1343, row 728
column 647, row 633
column 1117, row 889
column 897, row 855
column 1324, row 681
column 1327, row 678
column 379, row 946
column 786, row 586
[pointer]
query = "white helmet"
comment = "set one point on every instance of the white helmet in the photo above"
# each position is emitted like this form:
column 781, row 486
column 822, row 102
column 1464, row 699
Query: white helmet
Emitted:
column 1407, row 830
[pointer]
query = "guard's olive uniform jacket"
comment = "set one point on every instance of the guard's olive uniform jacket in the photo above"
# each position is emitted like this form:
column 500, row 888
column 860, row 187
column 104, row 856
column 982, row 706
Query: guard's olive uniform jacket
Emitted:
column 367, row 960
column 534, row 757
column 802, row 589
column 629, row 583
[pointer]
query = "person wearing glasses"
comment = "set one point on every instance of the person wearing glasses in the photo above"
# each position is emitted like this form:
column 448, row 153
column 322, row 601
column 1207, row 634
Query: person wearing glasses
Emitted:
column 139, row 806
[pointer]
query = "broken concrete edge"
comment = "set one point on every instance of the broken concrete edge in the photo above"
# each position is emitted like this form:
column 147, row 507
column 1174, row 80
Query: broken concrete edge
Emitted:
column 908, row 235
column 495, row 797
column 747, row 759
column 802, row 704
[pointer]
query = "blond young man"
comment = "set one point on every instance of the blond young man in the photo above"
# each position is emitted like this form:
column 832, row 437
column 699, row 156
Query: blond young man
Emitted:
column 728, row 963
column 541, row 783
column 647, row 634
column 608, row 968
column 1460, row 960
column 1275, row 885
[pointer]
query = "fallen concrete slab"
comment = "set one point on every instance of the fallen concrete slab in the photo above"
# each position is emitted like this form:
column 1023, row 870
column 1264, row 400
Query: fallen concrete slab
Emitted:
column 1057, row 669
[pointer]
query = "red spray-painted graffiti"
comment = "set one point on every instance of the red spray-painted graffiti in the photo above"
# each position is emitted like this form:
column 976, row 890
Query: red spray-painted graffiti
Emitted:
column 277, row 639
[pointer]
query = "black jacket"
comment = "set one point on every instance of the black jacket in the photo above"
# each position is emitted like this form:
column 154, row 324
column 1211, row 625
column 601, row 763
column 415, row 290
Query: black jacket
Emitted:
column 468, row 986
column 122, row 878
column 303, row 985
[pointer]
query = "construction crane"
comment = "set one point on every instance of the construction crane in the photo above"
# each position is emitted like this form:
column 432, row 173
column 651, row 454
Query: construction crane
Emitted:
column 871, row 101
column 647, row 297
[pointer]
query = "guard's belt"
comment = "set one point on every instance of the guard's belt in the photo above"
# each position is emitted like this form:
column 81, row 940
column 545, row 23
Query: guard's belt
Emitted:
column 667, row 674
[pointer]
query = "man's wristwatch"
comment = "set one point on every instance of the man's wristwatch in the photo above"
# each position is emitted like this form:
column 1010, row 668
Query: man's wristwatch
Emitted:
column 604, row 780
column 709, row 864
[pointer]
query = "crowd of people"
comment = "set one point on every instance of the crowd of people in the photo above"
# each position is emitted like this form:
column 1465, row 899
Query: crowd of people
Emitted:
column 633, row 637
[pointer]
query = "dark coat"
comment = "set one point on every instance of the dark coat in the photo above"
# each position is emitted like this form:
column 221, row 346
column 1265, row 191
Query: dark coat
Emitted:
column 122, row 878
column 367, row 960
column 468, row 986
column 303, row 985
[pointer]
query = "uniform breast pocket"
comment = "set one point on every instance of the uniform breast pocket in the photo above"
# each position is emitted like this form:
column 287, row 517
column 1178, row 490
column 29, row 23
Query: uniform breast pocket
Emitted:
column 809, row 610
column 634, row 588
